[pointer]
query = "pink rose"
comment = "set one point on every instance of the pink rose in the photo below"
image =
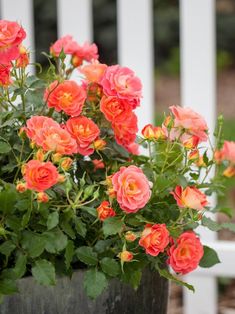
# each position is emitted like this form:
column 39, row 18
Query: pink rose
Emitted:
column 67, row 96
column 190, row 197
column 122, row 82
column 228, row 151
column 87, row 52
column 40, row 176
column 154, row 239
column 132, row 188
column 186, row 253
column 190, row 121
column 11, row 36
column 5, row 74
column 66, row 43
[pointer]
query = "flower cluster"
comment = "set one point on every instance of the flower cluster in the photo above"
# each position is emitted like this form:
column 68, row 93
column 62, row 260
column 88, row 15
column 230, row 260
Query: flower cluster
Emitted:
column 77, row 191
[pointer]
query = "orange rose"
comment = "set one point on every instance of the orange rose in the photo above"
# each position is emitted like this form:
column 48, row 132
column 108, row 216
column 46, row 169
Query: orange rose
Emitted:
column 21, row 187
column 66, row 163
column 125, row 256
column 23, row 60
column 94, row 71
column 190, row 197
column 42, row 197
column 104, row 211
column 115, row 109
column 40, row 176
column 85, row 131
column 186, row 253
column 155, row 239
column 5, row 75
column 130, row 236
column 229, row 172
column 67, row 96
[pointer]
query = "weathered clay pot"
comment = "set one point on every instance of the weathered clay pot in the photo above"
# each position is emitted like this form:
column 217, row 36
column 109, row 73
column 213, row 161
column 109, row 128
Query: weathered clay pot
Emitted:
column 68, row 297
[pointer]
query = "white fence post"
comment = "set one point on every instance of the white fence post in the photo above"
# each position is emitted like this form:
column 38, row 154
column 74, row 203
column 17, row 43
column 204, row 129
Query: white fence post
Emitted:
column 22, row 12
column 198, row 78
column 135, row 49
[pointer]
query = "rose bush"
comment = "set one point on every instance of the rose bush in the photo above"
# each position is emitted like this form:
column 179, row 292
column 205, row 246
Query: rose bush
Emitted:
column 74, row 191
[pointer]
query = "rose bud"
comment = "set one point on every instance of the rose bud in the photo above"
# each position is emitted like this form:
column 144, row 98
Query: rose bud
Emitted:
column 98, row 164
column 21, row 187
column 66, row 163
column 229, row 172
column 218, row 156
column 159, row 133
column 148, row 132
column 76, row 61
column 23, row 169
column 99, row 144
column 56, row 158
column 194, row 155
column 200, row 162
column 23, row 59
column 130, row 236
column 104, row 211
column 168, row 122
column 94, row 92
column 191, row 142
column 61, row 178
column 39, row 155
column 125, row 256
column 42, row 197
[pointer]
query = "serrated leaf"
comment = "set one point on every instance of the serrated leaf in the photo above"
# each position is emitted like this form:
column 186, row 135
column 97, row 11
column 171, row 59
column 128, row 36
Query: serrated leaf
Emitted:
column 210, row 224
column 7, row 247
column 4, row 147
column 56, row 240
column 210, row 257
column 44, row 272
column 69, row 253
column 92, row 211
column 95, row 283
column 7, row 200
column 20, row 266
column 66, row 227
column 133, row 278
column 87, row 255
column 33, row 243
column 165, row 273
column 112, row 225
column 80, row 227
column 52, row 220
column 110, row 266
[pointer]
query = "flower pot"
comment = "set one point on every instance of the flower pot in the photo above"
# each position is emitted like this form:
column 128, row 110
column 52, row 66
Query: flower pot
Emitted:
column 68, row 297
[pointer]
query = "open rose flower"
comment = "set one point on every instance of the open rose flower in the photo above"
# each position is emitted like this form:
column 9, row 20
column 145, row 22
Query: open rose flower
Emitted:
column 94, row 71
column 105, row 211
column 154, row 239
column 115, row 109
column 67, row 96
column 125, row 131
column 228, row 151
column 185, row 119
column 85, row 132
column 11, row 36
column 186, row 253
column 132, row 188
column 190, row 197
column 122, row 82
column 87, row 52
column 65, row 43
column 40, row 176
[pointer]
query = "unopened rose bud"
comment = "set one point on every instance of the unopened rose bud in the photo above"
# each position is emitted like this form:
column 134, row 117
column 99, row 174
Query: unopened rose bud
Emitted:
column 22, row 132
column 21, row 187
column 40, row 155
column 193, row 155
column 125, row 256
column 98, row 164
column 76, row 61
column 23, row 169
column 229, row 172
column 23, row 60
column 218, row 156
column 99, row 144
column 61, row 178
column 56, row 158
column 191, row 142
column 168, row 122
column 148, row 132
column 159, row 133
column 66, row 163
column 32, row 145
column 42, row 197
column 130, row 236
column 200, row 163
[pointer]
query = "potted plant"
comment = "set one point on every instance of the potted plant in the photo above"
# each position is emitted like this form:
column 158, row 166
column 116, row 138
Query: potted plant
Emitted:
column 79, row 206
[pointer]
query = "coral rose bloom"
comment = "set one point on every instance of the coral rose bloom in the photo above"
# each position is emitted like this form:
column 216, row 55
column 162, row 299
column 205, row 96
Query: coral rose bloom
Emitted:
column 11, row 36
column 185, row 255
column 34, row 127
column 132, row 188
column 85, row 131
column 192, row 122
column 122, row 82
column 66, row 43
column 190, row 197
column 67, row 96
column 58, row 140
column 94, row 71
column 87, row 52
column 154, row 239
column 115, row 109
column 40, row 176
column 228, row 151
column 104, row 211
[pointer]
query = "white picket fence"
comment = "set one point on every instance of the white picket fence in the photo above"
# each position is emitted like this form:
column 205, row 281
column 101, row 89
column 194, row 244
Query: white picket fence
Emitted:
column 135, row 50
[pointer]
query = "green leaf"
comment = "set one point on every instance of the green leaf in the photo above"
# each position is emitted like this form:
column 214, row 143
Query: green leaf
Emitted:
column 133, row 278
column 56, row 241
column 87, row 255
column 7, row 247
column 8, row 199
column 52, row 220
column 210, row 257
column 228, row 225
column 95, row 283
column 20, row 266
column 4, row 147
column 44, row 272
column 66, row 227
column 110, row 266
column 92, row 211
column 26, row 217
column 165, row 273
column 33, row 243
column 69, row 253
column 80, row 227
column 8, row 286
column 210, row 224
column 112, row 225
